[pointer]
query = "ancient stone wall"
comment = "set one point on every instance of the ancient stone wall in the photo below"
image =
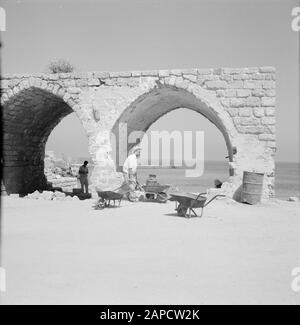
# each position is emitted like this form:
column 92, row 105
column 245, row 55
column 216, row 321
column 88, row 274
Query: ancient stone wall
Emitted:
column 239, row 101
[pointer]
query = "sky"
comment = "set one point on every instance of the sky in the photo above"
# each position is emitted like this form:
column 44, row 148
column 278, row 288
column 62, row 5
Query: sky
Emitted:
column 116, row 35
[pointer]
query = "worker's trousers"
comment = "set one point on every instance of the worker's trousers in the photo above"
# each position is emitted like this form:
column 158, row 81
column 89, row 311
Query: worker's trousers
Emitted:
column 84, row 184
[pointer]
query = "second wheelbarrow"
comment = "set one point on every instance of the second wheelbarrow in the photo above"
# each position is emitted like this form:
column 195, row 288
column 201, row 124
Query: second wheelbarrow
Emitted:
column 105, row 197
column 185, row 203
column 156, row 193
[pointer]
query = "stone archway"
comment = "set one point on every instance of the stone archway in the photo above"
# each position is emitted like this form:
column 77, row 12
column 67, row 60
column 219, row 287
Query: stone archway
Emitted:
column 151, row 106
column 29, row 116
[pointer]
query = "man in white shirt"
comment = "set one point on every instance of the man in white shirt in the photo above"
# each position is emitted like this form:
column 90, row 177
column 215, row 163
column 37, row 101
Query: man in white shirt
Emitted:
column 130, row 166
column 130, row 175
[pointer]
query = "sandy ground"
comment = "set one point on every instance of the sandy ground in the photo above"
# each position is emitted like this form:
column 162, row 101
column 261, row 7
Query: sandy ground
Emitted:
column 142, row 253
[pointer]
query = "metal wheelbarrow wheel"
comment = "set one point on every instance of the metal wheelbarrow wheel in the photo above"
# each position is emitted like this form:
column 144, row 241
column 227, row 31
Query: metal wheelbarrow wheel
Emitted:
column 181, row 210
column 101, row 204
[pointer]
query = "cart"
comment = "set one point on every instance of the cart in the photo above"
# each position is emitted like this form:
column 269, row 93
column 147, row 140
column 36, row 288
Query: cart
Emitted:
column 185, row 203
column 105, row 197
column 156, row 192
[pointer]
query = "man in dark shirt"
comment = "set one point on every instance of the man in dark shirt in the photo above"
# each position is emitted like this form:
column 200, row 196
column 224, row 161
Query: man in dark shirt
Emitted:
column 83, row 177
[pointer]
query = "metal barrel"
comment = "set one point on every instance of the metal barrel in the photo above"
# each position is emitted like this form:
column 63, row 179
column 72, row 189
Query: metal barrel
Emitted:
column 252, row 187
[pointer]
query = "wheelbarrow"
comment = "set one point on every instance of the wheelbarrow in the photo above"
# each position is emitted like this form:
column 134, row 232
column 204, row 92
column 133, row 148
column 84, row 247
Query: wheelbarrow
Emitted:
column 105, row 197
column 185, row 203
column 156, row 192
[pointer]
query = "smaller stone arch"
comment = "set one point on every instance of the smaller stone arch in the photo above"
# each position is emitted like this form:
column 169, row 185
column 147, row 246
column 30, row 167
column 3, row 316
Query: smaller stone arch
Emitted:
column 30, row 112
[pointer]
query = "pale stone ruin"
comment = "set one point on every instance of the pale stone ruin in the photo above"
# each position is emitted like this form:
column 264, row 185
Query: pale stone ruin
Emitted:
column 240, row 102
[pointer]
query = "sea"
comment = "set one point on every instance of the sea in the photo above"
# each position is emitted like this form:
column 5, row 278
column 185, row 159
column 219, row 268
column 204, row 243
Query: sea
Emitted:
column 287, row 177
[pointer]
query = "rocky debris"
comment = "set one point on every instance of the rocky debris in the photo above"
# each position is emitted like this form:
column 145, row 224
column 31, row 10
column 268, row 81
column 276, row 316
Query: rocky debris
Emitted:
column 50, row 196
column 66, row 183
column 46, row 195
column 14, row 196
column 293, row 199
column 59, row 196
column 59, row 172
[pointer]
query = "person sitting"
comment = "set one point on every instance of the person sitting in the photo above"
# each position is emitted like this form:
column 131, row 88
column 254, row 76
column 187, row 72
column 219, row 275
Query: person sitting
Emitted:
column 218, row 183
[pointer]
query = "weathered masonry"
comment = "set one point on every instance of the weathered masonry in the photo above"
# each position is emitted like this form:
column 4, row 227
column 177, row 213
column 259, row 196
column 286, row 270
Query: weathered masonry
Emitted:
column 240, row 102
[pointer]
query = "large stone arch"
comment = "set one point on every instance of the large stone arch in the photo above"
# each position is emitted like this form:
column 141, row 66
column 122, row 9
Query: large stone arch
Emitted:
column 29, row 115
column 162, row 99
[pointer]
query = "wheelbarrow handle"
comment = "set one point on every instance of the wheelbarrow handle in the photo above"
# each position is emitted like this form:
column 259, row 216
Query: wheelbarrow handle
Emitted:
column 200, row 194
column 210, row 200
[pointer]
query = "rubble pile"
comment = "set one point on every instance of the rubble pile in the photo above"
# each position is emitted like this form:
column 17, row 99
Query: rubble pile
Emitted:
column 50, row 196
column 59, row 173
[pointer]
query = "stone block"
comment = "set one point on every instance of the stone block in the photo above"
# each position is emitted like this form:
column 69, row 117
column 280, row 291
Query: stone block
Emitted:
column 268, row 120
column 74, row 90
column 266, row 137
column 216, row 84
column 190, row 77
column 236, row 84
column 189, row 71
column 258, row 76
column 269, row 76
column 232, row 70
column 152, row 73
column 184, row 84
column 250, row 121
column 257, row 129
column 93, row 82
column 122, row 81
column 237, row 120
column 226, row 77
column 267, row 69
column 268, row 101
column 125, row 74
column 272, row 144
column 176, row 72
column 172, row 81
column 233, row 111
column 252, row 84
column 204, row 71
column 258, row 111
column 224, row 102
column 230, row 93
column 270, row 92
column 242, row 76
column 237, row 102
column 270, row 129
column 268, row 84
column 110, row 81
column 220, row 93
column 114, row 74
column 269, row 111
column 253, row 101
column 243, row 92
column 258, row 92
column 101, row 74
column 136, row 73
column 163, row 73
column 245, row 111
column 4, row 83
